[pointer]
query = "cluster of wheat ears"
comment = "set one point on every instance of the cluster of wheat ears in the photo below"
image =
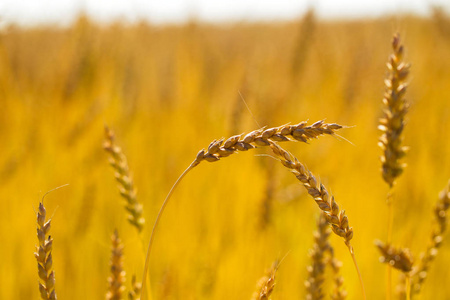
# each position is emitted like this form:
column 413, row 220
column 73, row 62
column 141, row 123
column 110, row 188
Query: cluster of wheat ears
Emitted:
column 333, row 218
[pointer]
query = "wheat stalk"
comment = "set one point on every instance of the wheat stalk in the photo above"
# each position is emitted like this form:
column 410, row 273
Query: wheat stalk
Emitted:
column 317, row 254
column 391, row 126
column 393, row 121
column 122, row 174
column 117, row 278
column 44, row 257
column 221, row 148
column 440, row 215
column 320, row 260
column 339, row 293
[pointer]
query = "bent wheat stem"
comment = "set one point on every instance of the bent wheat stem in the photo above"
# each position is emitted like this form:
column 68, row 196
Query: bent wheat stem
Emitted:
column 218, row 149
column 158, row 218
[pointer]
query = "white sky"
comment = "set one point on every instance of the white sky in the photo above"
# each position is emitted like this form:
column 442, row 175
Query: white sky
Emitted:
column 30, row 12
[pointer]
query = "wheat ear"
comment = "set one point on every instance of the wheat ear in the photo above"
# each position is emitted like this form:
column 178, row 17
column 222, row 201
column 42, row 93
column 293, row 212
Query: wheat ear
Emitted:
column 320, row 260
column 126, row 187
column 221, row 148
column 334, row 216
column 44, row 257
column 266, row 284
column 43, row 252
column 117, row 278
column 441, row 222
column 395, row 109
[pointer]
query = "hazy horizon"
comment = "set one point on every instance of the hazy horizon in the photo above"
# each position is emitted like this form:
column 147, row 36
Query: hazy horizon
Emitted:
column 29, row 12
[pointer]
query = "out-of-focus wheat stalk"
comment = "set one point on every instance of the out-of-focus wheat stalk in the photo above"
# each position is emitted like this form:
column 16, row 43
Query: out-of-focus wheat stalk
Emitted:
column 322, row 254
column 441, row 221
column 266, row 284
column 339, row 293
column 126, row 187
column 135, row 292
column 221, row 148
column 317, row 254
column 116, row 280
column 400, row 259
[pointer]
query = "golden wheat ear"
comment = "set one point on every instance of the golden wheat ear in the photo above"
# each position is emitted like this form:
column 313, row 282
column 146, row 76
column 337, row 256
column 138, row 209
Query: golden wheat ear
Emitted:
column 116, row 279
column 221, row 148
column 395, row 109
column 43, row 252
column 119, row 163
column 44, row 257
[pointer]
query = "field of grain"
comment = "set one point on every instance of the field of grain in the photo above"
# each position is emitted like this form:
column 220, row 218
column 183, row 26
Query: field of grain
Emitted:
column 169, row 91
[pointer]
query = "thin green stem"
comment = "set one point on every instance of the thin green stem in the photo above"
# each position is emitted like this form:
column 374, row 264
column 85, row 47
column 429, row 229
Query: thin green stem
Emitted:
column 155, row 225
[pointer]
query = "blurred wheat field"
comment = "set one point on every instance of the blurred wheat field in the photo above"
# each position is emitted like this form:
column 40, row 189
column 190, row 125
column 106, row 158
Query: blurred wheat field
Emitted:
column 168, row 92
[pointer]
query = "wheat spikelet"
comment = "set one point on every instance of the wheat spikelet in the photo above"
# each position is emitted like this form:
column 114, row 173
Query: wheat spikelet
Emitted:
column 117, row 278
column 135, row 291
column 393, row 121
column 119, row 163
column 266, row 284
column 398, row 258
column 44, row 257
column 441, row 220
column 334, row 216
